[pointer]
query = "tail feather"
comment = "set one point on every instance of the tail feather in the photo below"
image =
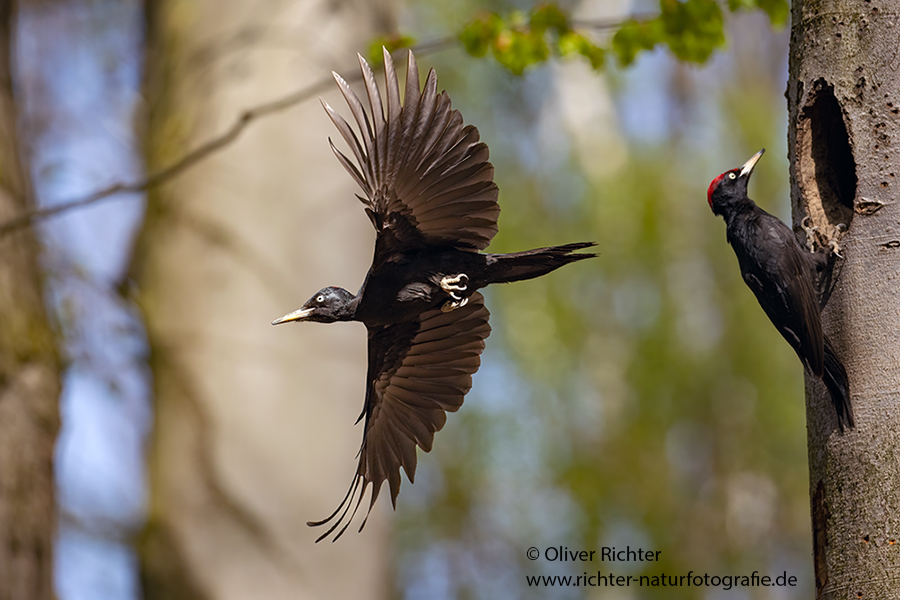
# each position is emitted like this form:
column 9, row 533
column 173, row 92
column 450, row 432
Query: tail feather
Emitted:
column 835, row 379
column 518, row 266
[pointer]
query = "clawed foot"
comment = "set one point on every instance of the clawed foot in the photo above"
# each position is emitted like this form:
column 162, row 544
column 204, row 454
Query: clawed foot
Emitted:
column 833, row 243
column 450, row 305
column 452, row 285
column 455, row 284
column 815, row 238
column 812, row 232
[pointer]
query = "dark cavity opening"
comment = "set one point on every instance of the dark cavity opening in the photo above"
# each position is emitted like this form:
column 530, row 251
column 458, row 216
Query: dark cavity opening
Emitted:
column 827, row 169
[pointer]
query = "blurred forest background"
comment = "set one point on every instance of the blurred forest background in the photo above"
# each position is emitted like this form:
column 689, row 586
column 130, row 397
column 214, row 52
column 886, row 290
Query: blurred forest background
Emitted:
column 637, row 399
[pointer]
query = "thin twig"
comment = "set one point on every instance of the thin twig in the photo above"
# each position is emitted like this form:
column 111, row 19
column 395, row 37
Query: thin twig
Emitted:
column 179, row 166
column 207, row 149
column 200, row 153
column 609, row 24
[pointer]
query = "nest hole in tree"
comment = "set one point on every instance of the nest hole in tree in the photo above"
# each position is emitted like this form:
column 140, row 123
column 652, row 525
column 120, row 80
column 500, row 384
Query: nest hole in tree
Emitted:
column 827, row 171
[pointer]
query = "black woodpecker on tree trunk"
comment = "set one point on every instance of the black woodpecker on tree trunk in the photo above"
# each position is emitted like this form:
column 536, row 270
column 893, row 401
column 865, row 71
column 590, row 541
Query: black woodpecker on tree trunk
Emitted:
column 430, row 193
column 782, row 274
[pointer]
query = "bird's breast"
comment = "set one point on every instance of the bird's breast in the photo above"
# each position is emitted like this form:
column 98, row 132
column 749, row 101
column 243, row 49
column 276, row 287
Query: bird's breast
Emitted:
column 394, row 298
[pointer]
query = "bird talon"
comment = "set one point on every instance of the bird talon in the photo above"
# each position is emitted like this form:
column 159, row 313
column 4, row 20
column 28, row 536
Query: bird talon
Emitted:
column 451, row 305
column 833, row 243
column 812, row 233
column 816, row 239
column 452, row 284
column 835, row 248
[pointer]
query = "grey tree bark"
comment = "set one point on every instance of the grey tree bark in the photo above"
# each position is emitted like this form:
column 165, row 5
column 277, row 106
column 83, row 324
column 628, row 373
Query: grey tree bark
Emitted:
column 29, row 373
column 844, row 104
column 253, row 427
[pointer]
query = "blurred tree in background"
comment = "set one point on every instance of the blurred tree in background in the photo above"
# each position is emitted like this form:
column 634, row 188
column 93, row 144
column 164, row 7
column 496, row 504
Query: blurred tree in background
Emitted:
column 29, row 367
column 248, row 444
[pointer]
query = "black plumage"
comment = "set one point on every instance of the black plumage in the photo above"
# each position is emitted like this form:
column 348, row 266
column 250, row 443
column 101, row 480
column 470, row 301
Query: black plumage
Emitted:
column 782, row 274
column 429, row 191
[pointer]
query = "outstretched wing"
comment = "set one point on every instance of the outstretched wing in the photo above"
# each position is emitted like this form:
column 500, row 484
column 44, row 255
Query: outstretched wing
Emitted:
column 426, row 177
column 417, row 373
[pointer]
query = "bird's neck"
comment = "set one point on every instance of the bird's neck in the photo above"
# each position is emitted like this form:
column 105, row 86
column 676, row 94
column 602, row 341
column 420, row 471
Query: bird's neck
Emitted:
column 347, row 311
column 736, row 209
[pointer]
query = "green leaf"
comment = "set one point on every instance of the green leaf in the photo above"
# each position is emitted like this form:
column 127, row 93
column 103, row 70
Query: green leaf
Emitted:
column 392, row 42
column 517, row 50
column 479, row 35
column 736, row 5
column 549, row 17
column 778, row 10
column 635, row 36
column 693, row 29
column 575, row 43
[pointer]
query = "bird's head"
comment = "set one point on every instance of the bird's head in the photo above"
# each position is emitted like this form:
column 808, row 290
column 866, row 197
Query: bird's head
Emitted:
column 326, row 306
column 731, row 186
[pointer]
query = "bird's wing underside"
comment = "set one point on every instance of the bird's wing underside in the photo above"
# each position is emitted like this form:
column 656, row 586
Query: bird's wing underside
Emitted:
column 793, row 308
column 417, row 373
column 426, row 177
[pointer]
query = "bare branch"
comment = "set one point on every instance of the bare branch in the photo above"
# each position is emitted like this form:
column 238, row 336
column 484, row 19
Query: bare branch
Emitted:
column 200, row 153
column 179, row 166
column 610, row 24
column 212, row 146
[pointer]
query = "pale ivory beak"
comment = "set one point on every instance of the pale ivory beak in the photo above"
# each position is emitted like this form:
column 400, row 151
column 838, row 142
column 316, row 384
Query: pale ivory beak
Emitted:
column 747, row 167
column 297, row 315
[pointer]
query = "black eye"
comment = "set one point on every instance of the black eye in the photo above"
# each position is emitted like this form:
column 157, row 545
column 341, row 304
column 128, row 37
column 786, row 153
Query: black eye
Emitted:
column 731, row 176
column 320, row 298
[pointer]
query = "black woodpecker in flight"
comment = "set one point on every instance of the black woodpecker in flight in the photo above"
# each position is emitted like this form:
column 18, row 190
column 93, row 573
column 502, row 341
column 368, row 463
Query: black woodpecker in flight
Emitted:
column 429, row 191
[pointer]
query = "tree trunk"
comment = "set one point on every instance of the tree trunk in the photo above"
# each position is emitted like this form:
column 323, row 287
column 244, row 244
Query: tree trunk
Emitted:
column 240, row 239
column 29, row 373
column 844, row 100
